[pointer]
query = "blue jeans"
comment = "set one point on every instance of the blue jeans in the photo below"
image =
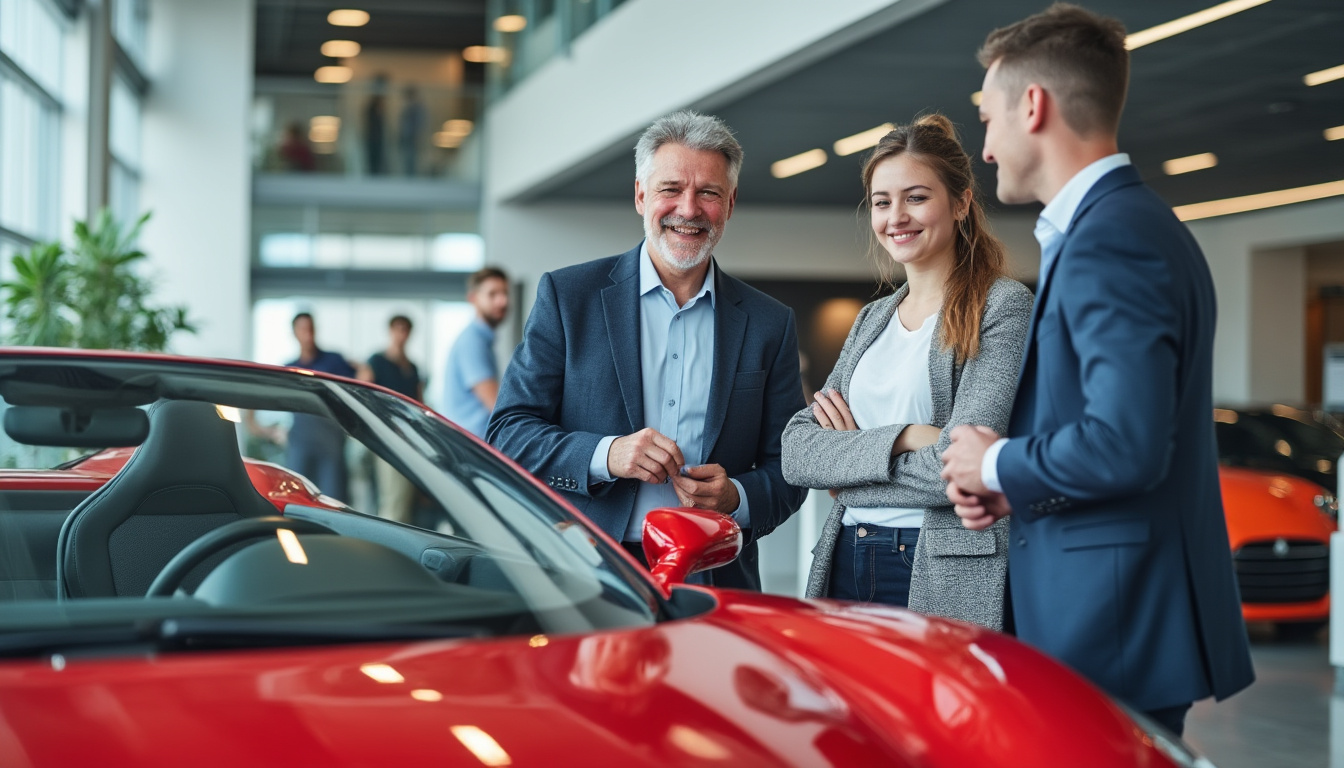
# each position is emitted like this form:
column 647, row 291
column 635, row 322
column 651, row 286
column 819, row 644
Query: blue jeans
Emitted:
column 872, row 564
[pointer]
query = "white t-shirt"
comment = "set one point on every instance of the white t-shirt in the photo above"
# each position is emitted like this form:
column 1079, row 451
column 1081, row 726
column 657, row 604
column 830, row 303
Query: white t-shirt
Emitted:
column 890, row 385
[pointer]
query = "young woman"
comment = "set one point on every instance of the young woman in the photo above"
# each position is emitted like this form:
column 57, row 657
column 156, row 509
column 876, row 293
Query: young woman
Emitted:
column 943, row 350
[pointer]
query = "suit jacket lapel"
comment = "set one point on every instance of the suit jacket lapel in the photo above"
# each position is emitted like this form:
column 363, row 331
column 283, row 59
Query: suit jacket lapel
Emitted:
column 620, row 304
column 1120, row 177
column 730, row 330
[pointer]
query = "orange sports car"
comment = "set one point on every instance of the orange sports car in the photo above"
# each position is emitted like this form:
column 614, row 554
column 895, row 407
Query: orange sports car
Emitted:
column 1280, row 514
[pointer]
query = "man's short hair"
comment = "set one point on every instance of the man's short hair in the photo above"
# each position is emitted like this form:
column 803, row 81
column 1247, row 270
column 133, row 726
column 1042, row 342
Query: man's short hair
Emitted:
column 402, row 320
column 1078, row 56
column 691, row 130
column 483, row 274
column 301, row 316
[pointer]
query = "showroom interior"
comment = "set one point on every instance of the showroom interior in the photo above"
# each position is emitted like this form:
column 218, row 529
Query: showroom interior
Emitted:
column 360, row 160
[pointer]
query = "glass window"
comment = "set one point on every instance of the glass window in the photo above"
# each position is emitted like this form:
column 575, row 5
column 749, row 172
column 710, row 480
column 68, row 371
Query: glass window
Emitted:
column 31, row 36
column 28, row 146
column 130, row 22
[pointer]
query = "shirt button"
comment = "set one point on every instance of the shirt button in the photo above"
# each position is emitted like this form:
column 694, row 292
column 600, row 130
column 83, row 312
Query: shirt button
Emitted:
column 678, row 317
column 862, row 531
column 671, row 403
column 674, row 355
column 1021, row 541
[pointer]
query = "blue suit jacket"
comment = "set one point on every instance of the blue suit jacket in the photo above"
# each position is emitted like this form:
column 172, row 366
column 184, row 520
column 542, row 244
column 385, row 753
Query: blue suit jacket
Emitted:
column 1119, row 563
column 576, row 379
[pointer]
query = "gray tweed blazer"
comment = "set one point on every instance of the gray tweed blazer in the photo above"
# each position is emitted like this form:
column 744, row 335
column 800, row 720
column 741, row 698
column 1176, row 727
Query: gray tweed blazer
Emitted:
column 957, row 573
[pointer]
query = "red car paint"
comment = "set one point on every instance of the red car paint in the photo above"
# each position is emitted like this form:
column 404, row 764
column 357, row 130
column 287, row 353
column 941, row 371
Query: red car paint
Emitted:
column 1264, row 506
column 757, row 680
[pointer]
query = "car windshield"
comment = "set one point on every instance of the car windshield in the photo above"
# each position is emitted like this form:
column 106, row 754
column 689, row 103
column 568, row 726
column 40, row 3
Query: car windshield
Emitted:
column 1278, row 442
column 193, row 505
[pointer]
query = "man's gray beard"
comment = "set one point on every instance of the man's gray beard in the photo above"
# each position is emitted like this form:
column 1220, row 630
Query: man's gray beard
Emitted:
column 653, row 232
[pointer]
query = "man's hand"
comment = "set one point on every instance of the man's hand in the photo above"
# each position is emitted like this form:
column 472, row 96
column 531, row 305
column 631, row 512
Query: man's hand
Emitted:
column 962, row 459
column 978, row 512
column 646, row 455
column 707, row 487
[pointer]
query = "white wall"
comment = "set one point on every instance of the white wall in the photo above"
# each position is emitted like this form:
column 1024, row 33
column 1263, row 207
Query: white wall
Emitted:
column 634, row 66
column 196, row 167
column 1245, row 306
column 1278, row 325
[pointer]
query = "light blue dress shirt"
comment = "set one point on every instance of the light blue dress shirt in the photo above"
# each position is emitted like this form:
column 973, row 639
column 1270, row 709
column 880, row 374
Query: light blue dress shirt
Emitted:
column 676, row 357
column 1051, row 226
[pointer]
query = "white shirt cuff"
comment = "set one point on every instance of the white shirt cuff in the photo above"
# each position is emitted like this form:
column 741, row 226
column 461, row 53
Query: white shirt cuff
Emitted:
column 989, row 466
column 597, row 467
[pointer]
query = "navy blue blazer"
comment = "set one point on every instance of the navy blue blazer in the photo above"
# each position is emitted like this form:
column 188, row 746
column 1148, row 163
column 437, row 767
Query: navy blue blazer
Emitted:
column 1119, row 563
column 576, row 378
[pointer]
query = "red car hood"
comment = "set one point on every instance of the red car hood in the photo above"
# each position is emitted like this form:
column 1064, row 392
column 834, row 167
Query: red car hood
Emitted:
column 758, row 681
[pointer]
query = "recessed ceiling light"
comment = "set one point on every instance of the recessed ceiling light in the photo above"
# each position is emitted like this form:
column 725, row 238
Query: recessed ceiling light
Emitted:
column 511, row 23
column 1257, row 202
column 333, row 74
column 792, row 166
column 485, row 54
column 1324, row 76
column 1186, row 23
column 323, row 129
column 861, row 141
column 458, row 127
column 1334, row 134
column 348, row 17
column 446, row 140
column 977, row 97
column 1191, row 163
column 340, row 49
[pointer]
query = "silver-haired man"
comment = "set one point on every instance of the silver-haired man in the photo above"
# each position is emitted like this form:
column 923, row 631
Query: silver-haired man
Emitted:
column 653, row 379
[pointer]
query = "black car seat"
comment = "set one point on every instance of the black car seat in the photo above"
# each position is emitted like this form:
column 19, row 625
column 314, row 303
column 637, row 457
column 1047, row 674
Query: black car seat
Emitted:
column 185, row 480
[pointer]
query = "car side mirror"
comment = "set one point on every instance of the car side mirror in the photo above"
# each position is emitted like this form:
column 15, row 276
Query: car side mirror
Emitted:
column 679, row 541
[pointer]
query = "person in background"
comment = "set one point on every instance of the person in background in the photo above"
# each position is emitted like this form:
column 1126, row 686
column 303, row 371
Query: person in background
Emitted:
column 410, row 129
column 375, row 126
column 943, row 350
column 315, row 446
column 391, row 368
column 653, row 378
column 471, row 381
column 295, row 152
column 1119, row 561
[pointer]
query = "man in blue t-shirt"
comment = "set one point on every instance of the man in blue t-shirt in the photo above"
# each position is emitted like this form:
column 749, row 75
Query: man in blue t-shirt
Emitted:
column 471, row 381
column 316, row 445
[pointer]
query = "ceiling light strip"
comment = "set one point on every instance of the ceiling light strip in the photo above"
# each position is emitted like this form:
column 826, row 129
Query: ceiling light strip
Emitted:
column 1260, row 201
column 861, row 141
column 1334, row 134
column 1181, row 165
column 1324, row 76
column 1186, row 23
column 792, row 166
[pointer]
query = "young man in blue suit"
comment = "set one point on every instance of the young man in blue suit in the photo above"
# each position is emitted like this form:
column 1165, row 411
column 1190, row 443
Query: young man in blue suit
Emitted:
column 1118, row 556
column 653, row 379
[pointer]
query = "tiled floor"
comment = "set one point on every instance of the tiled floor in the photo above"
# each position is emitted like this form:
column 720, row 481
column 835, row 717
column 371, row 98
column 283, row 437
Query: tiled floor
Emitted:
column 1284, row 719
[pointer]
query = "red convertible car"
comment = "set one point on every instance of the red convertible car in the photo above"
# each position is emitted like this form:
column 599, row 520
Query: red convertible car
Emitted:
column 169, row 602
